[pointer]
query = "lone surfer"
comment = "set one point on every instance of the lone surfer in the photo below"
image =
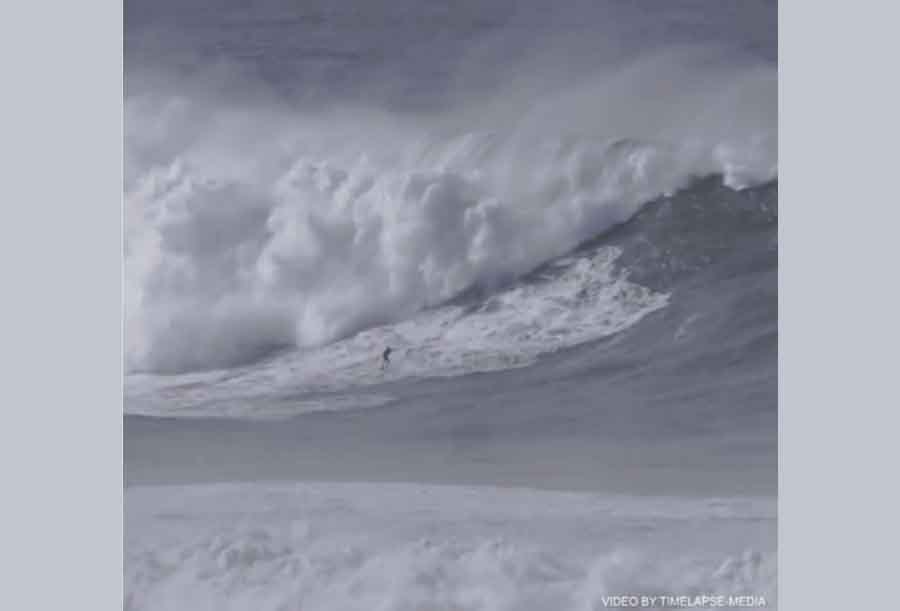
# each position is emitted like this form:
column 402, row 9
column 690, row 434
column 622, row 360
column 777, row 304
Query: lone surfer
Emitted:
column 385, row 358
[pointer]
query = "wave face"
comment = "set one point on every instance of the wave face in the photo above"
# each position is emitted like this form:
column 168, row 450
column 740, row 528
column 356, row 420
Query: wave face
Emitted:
column 311, row 202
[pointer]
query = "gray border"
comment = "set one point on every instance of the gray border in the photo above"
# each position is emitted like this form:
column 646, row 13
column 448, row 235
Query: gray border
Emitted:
column 61, row 451
column 837, row 225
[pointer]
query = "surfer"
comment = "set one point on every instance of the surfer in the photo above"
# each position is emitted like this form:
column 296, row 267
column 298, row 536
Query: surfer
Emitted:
column 385, row 358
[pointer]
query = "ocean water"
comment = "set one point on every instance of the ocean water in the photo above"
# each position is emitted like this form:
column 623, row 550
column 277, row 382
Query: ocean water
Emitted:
column 561, row 217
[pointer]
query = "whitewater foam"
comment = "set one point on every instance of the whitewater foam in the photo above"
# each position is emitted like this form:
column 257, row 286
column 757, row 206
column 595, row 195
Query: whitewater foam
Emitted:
column 417, row 547
column 576, row 300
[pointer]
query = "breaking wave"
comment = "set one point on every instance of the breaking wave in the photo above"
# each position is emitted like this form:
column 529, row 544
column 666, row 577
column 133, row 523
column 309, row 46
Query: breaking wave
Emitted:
column 250, row 230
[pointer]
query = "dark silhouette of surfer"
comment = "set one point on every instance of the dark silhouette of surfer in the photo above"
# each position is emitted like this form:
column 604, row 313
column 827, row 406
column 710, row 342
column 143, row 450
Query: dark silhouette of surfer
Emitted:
column 385, row 358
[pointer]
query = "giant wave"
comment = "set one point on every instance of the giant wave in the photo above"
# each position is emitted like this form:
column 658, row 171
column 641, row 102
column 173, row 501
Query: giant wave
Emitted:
column 247, row 234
